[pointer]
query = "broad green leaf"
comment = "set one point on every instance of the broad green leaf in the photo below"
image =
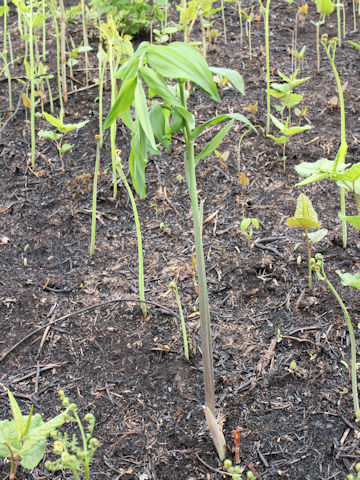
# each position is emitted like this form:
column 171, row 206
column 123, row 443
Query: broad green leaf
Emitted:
column 8, row 435
column 302, row 222
column 349, row 175
column 50, row 134
column 128, row 69
column 66, row 147
column 245, row 222
column 325, row 6
column 281, row 140
column 181, row 61
column 291, row 100
column 305, row 215
column 159, row 124
column 55, row 122
column 316, row 237
column 177, row 120
column 281, row 88
column 290, row 131
column 315, row 177
column 127, row 120
column 17, row 415
column 123, row 101
column 214, row 142
column 305, row 169
column 39, row 20
column 137, row 161
column 155, row 82
column 33, row 456
column 277, row 123
column 349, row 279
column 353, row 220
column 40, row 430
column 235, row 78
column 142, row 114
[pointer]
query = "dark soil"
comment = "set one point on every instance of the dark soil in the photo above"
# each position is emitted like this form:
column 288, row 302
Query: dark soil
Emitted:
column 68, row 321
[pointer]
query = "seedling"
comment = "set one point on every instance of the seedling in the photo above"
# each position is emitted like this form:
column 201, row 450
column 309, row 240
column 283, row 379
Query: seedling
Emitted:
column 181, row 63
column 317, row 264
column 71, row 455
column 23, row 439
column 330, row 48
column 173, row 287
column 305, row 217
column 58, row 137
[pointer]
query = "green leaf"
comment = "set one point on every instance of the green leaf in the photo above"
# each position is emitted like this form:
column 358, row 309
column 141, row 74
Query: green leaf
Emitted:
column 349, row 175
column 235, row 116
column 290, row 131
column 214, row 142
column 122, row 102
column 353, row 220
column 155, row 82
column 40, row 430
column 316, row 237
column 315, row 177
column 4, row 9
column 142, row 114
column 277, row 123
column 349, row 280
column 17, row 415
column 183, row 62
column 61, row 126
column 245, row 222
column 50, row 134
column 305, row 215
column 8, row 435
column 38, row 20
column 340, row 156
column 291, row 100
column 232, row 75
column 281, row 140
column 159, row 125
column 32, row 457
column 66, row 147
column 137, row 161
column 325, row 6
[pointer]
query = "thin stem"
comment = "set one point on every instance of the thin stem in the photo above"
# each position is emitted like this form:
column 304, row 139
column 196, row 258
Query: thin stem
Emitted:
column 138, row 233
column 85, row 41
column 32, row 83
column 173, row 287
column 96, row 173
column 205, row 325
column 223, row 20
column 113, row 125
column 352, row 343
column 266, row 11
column 62, row 50
column 309, row 259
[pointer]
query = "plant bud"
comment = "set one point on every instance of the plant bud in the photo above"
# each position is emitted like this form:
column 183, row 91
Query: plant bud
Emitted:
column 227, row 463
column 58, row 448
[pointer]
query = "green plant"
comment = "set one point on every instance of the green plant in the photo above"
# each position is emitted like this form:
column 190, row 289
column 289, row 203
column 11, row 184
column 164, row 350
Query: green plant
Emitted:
column 73, row 456
column 266, row 12
column 58, row 137
column 305, row 217
column 330, row 48
column 23, row 439
column 248, row 224
column 180, row 62
column 131, row 16
column 324, row 7
column 288, row 100
column 173, row 287
column 317, row 264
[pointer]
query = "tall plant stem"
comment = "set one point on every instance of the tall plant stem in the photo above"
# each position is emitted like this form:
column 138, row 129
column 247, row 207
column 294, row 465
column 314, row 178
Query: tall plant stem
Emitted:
column 96, row 174
column 7, row 70
column 205, row 325
column 58, row 56
column 138, row 234
column 352, row 338
column 266, row 11
column 343, row 144
column 113, row 126
column 62, row 50
column 85, row 41
column 32, row 82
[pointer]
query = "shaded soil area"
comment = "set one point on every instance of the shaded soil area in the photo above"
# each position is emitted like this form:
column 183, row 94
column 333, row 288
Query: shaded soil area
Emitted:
column 70, row 322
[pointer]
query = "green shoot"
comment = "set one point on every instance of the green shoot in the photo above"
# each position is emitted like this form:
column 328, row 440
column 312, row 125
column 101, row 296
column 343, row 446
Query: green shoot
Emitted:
column 174, row 288
column 317, row 264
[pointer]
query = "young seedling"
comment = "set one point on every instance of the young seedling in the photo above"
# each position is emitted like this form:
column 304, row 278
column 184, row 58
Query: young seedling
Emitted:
column 23, row 439
column 181, row 63
column 72, row 455
column 248, row 224
column 58, row 137
column 173, row 287
column 305, row 217
column 324, row 7
column 317, row 264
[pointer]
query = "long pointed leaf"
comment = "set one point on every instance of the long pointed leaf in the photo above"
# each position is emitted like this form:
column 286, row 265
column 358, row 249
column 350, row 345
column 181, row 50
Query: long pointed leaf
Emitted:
column 215, row 142
column 123, row 101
